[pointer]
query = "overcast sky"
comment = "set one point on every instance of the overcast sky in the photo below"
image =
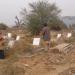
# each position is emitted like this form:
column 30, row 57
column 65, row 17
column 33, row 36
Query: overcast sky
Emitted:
column 10, row 8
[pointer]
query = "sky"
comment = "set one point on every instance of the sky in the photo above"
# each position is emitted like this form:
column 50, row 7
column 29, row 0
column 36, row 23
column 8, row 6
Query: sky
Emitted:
column 11, row 8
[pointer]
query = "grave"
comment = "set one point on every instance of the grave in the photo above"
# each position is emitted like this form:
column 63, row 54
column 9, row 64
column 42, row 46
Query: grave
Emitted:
column 17, row 38
column 36, row 41
column 58, row 36
column 9, row 35
column 69, row 35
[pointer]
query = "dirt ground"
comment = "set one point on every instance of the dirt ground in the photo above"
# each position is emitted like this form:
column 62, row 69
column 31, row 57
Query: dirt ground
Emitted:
column 51, row 62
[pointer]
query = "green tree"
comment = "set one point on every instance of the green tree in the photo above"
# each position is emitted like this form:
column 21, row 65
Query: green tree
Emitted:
column 57, row 24
column 42, row 12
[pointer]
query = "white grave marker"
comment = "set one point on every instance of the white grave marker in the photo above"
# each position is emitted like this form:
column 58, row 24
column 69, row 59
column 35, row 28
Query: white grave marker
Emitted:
column 69, row 35
column 58, row 36
column 36, row 41
column 17, row 38
column 9, row 35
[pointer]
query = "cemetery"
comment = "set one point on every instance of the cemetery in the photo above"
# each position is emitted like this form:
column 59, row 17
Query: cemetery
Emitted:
column 38, row 38
column 26, row 54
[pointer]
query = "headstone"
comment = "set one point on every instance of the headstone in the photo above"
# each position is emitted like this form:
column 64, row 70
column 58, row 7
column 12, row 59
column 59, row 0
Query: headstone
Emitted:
column 17, row 38
column 36, row 41
column 9, row 35
column 58, row 36
column 69, row 35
